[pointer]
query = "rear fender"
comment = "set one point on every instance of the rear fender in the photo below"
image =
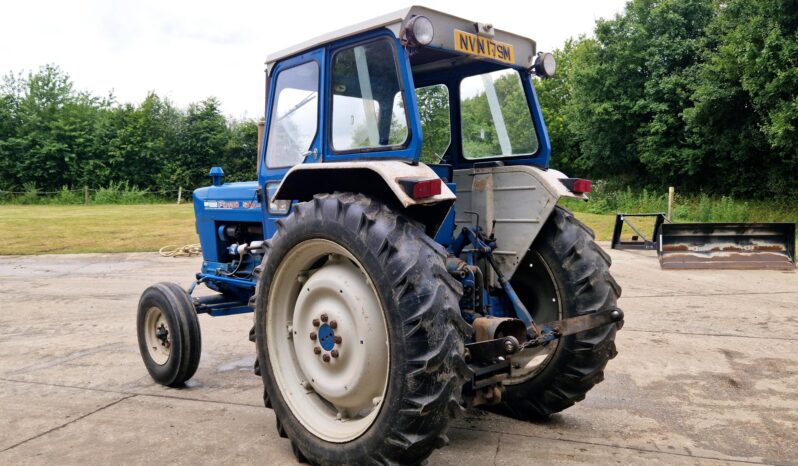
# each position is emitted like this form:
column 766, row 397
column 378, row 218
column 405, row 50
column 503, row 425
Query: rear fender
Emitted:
column 378, row 179
column 512, row 201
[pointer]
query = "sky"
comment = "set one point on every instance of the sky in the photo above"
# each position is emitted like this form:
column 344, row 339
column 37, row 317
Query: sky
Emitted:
column 190, row 50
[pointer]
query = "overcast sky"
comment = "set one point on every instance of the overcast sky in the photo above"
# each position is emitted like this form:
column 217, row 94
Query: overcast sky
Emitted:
column 190, row 50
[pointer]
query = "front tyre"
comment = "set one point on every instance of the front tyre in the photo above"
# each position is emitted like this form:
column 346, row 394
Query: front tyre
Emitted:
column 358, row 333
column 169, row 334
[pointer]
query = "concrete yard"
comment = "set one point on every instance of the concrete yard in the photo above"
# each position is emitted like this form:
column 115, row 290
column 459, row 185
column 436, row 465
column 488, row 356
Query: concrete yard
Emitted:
column 707, row 373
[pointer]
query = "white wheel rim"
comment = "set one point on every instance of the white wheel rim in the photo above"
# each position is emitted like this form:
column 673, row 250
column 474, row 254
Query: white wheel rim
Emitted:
column 157, row 336
column 335, row 391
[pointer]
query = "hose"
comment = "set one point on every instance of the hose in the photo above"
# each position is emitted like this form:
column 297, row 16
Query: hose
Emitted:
column 180, row 251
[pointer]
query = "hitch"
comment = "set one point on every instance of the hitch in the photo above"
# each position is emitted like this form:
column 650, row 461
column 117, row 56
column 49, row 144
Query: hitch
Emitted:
column 490, row 360
column 562, row 328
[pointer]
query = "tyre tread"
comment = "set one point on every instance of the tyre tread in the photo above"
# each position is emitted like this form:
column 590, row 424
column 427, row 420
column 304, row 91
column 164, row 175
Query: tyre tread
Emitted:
column 431, row 323
column 580, row 366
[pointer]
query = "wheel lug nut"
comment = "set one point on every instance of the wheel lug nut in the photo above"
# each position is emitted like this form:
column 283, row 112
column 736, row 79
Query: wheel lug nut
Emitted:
column 334, row 353
column 316, row 322
column 333, row 324
column 326, row 357
column 324, row 317
column 338, row 339
column 313, row 336
column 317, row 350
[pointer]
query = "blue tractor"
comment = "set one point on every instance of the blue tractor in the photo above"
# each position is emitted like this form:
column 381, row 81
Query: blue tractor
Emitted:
column 402, row 248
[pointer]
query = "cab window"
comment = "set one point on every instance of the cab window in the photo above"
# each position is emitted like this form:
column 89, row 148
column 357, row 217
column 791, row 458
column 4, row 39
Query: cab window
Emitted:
column 433, row 108
column 495, row 116
column 294, row 115
column 368, row 108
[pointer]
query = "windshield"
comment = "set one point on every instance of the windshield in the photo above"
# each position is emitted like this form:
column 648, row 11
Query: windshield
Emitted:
column 495, row 116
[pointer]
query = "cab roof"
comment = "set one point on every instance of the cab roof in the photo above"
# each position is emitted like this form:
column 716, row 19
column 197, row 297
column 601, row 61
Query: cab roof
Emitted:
column 444, row 36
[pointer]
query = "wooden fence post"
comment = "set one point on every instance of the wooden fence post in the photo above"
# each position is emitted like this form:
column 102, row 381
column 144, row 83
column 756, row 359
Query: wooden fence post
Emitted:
column 671, row 194
column 85, row 195
column 179, row 194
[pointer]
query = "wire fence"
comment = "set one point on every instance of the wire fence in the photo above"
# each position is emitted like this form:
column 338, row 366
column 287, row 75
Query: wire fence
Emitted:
column 91, row 190
column 104, row 195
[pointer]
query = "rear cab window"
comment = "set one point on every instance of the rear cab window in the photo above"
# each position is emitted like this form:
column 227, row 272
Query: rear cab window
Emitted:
column 495, row 117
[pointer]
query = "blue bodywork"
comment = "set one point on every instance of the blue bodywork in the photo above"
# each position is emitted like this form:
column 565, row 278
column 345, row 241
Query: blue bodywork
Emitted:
column 229, row 215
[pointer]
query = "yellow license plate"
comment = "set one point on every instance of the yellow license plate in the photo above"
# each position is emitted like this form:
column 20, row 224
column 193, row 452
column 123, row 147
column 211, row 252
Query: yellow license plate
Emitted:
column 473, row 44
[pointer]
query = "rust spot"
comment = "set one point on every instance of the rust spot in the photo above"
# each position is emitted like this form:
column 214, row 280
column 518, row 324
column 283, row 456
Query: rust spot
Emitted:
column 773, row 247
column 675, row 247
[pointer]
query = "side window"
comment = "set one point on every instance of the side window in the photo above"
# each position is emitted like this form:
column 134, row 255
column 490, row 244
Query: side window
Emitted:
column 495, row 116
column 294, row 115
column 433, row 107
column 368, row 108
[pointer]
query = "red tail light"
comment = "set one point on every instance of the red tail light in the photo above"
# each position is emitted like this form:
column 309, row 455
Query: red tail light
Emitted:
column 577, row 185
column 421, row 189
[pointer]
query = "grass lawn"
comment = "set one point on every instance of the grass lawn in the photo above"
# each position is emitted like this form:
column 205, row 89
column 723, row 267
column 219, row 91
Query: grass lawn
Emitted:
column 61, row 229
column 602, row 225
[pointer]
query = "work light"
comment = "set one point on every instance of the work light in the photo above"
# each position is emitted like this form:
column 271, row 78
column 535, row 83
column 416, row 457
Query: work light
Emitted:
column 419, row 30
column 544, row 65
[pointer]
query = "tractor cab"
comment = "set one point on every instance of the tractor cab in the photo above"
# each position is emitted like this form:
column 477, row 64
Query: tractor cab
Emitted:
column 431, row 97
column 417, row 85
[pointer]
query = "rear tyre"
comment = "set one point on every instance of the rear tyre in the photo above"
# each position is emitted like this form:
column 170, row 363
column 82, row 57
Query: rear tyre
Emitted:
column 565, row 274
column 359, row 335
column 169, row 334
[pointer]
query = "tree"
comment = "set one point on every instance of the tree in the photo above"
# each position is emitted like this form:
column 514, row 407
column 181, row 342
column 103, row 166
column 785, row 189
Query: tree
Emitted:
column 630, row 86
column 204, row 135
column 745, row 101
column 555, row 96
column 241, row 151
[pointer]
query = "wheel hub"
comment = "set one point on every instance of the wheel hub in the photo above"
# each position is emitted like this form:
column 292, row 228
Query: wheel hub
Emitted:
column 336, row 305
column 326, row 337
column 157, row 335
column 162, row 334
column 333, row 369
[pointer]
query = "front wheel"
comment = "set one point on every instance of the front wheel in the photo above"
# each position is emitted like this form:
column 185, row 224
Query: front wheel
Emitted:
column 169, row 334
column 564, row 274
column 358, row 333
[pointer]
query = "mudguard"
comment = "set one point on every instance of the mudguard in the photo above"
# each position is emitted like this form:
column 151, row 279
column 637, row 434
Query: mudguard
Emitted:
column 379, row 179
column 514, row 202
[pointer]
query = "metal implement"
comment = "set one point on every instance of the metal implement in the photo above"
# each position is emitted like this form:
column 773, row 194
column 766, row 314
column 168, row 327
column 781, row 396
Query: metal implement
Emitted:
column 638, row 241
column 562, row 328
column 489, row 360
column 727, row 246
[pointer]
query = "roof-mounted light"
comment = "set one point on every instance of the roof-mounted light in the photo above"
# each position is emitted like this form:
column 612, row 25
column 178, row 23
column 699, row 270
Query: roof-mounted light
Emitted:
column 419, row 30
column 544, row 65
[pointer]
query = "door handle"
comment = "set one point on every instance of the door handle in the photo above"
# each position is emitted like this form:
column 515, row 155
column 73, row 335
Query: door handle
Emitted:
column 313, row 154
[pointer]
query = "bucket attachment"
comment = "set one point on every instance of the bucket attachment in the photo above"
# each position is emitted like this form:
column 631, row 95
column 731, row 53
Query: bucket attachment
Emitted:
column 727, row 246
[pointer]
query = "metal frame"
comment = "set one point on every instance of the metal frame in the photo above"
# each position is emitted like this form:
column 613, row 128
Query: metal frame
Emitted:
column 644, row 243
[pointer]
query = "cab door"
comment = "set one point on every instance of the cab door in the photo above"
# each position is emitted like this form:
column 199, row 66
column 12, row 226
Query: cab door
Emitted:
column 293, row 130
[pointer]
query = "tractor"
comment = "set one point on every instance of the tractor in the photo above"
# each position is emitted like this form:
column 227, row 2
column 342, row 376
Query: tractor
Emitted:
column 402, row 249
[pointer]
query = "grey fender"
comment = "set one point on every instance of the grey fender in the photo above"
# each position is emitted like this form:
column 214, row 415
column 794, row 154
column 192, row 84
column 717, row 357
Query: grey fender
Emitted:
column 513, row 201
column 378, row 179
